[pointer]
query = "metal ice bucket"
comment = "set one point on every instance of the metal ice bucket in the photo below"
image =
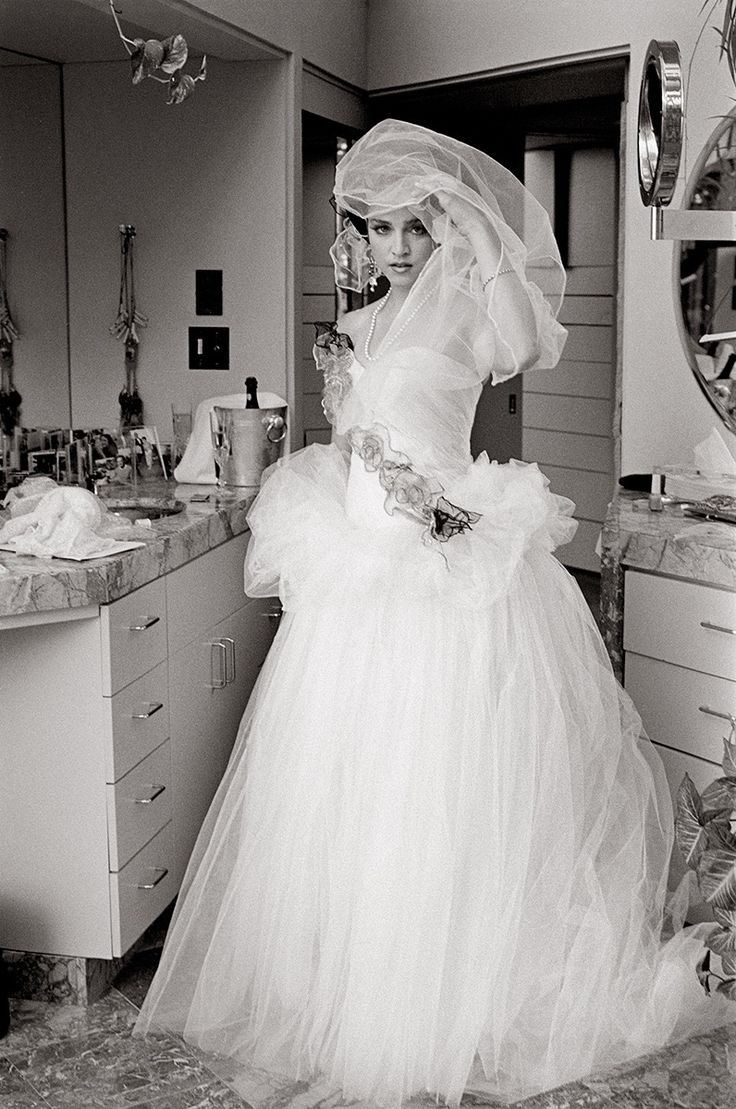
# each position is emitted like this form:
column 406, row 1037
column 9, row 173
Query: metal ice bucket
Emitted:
column 256, row 440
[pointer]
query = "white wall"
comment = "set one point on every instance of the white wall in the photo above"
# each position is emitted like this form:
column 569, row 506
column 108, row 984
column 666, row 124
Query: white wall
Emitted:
column 330, row 34
column 32, row 210
column 664, row 412
column 205, row 185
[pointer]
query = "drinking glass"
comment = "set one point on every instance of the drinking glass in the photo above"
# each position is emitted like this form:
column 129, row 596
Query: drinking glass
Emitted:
column 220, row 446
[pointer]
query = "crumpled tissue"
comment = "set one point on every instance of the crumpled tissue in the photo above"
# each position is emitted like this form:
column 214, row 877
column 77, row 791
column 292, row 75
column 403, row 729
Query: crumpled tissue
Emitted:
column 712, row 455
column 63, row 521
column 197, row 466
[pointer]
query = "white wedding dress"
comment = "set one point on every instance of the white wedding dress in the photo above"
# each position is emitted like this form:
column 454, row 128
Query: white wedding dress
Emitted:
column 437, row 860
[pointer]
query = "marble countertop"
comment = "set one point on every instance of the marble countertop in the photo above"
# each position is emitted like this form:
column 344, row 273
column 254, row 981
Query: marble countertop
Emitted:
column 33, row 585
column 667, row 542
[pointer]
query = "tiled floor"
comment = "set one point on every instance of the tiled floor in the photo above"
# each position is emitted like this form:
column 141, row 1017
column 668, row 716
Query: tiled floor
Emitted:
column 62, row 1056
column 74, row 1058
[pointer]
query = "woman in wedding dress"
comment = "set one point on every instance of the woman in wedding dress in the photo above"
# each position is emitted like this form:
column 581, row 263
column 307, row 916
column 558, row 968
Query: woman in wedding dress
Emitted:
column 437, row 861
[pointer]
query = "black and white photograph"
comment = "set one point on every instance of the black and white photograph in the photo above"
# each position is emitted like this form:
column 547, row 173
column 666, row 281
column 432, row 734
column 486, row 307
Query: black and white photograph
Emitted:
column 368, row 554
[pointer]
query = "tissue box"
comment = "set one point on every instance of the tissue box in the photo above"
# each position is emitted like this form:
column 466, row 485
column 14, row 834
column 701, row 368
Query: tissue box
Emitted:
column 694, row 485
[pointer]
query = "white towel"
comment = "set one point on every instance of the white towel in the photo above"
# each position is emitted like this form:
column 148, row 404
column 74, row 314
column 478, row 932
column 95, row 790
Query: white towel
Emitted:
column 197, row 466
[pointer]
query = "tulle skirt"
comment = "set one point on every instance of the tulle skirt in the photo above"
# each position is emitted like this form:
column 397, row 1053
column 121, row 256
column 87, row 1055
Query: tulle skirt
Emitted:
column 437, row 861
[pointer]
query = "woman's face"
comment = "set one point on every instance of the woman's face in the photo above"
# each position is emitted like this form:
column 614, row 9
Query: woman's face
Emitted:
column 401, row 245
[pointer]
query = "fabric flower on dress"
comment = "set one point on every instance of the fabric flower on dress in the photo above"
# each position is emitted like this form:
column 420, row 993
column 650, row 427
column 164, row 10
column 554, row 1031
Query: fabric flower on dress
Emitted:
column 333, row 355
column 449, row 520
column 407, row 490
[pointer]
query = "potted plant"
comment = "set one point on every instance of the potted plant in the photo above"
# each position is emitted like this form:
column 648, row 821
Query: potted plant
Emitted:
column 705, row 828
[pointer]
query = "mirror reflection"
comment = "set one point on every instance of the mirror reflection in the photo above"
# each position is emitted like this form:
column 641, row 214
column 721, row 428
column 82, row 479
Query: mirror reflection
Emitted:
column 32, row 210
column 706, row 278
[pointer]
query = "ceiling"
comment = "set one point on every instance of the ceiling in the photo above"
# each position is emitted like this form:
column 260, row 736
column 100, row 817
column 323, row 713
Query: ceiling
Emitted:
column 84, row 31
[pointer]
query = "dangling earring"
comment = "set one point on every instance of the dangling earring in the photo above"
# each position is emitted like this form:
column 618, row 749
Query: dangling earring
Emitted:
column 373, row 271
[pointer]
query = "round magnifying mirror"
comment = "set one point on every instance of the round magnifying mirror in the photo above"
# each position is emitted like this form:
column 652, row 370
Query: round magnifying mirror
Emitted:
column 661, row 115
column 705, row 277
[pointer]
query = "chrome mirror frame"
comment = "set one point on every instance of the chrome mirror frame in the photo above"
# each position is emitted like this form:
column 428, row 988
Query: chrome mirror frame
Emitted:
column 661, row 122
column 690, row 343
column 659, row 148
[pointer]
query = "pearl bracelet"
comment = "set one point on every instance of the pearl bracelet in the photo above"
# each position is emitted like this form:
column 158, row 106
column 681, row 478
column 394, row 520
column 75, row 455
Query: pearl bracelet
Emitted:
column 509, row 269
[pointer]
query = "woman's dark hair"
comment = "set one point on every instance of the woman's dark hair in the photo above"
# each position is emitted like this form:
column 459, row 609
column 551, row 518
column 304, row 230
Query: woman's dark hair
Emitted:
column 360, row 225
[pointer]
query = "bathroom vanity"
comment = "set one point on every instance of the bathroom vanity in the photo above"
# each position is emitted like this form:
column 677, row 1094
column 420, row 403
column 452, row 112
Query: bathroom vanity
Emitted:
column 122, row 684
column 669, row 609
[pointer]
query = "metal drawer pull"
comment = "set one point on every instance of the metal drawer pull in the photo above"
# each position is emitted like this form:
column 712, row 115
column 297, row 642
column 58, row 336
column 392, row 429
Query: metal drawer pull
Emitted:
column 274, row 614
column 218, row 650
column 154, row 706
column 148, row 622
column 721, row 715
column 162, row 871
column 229, row 658
column 717, row 627
column 157, row 791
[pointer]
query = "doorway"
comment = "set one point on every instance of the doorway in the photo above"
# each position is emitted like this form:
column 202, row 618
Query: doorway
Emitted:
column 558, row 129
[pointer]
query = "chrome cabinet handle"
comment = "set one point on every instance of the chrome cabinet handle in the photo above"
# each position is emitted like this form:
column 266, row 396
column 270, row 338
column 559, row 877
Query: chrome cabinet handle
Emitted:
column 273, row 614
column 153, row 707
column 218, row 651
column 148, row 622
column 229, row 658
column 162, row 871
column 717, row 628
column 721, row 715
column 157, row 791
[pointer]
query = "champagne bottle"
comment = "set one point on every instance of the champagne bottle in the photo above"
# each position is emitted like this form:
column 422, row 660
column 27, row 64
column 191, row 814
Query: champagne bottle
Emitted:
column 251, row 392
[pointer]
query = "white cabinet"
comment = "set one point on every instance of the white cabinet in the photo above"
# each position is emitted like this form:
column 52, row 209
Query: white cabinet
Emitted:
column 115, row 731
column 218, row 640
column 680, row 670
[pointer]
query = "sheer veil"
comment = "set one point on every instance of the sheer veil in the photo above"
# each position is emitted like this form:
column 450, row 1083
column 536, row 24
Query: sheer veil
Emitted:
column 397, row 165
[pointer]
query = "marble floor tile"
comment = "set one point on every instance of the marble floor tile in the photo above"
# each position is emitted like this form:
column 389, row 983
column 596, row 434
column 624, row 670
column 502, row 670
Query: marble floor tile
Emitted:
column 15, row 1092
column 35, row 1023
column 85, row 1058
column 112, row 1070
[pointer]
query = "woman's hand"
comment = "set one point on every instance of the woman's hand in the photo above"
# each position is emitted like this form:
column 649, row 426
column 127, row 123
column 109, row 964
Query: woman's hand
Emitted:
column 464, row 215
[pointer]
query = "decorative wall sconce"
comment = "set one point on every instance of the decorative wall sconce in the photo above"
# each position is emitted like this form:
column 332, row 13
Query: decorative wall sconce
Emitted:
column 661, row 126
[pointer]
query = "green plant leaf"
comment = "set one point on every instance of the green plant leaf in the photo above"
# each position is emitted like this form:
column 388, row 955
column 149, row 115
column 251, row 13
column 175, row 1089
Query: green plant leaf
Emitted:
column 725, row 917
column 702, row 970
column 717, row 869
column 689, row 829
column 719, row 796
column 721, row 941
column 729, row 757
column 728, row 962
column 727, row 988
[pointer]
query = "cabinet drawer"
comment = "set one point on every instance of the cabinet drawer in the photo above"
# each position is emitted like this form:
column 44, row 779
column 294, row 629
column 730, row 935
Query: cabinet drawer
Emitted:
column 205, row 591
column 138, row 806
column 141, row 891
column 133, row 633
column 682, row 622
column 670, row 699
column 139, row 721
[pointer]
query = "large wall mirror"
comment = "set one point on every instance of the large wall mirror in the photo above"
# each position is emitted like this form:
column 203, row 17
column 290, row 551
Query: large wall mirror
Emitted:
column 705, row 276
column 32, row 209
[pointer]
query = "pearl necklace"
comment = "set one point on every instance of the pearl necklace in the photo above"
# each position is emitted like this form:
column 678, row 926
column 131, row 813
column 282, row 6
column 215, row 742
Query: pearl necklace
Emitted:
column 374, row 315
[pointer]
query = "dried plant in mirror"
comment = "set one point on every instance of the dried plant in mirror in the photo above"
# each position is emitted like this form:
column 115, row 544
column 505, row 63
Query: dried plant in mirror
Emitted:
column 151, row 57
column 706, row 834
column 10, row 398
column 126, row 325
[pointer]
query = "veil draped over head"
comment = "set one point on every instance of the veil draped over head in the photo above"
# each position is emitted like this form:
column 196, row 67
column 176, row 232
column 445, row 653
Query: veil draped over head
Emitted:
column 402, row 165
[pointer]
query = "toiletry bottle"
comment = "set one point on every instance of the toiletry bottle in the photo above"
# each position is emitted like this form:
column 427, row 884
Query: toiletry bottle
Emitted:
column 251, row 392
